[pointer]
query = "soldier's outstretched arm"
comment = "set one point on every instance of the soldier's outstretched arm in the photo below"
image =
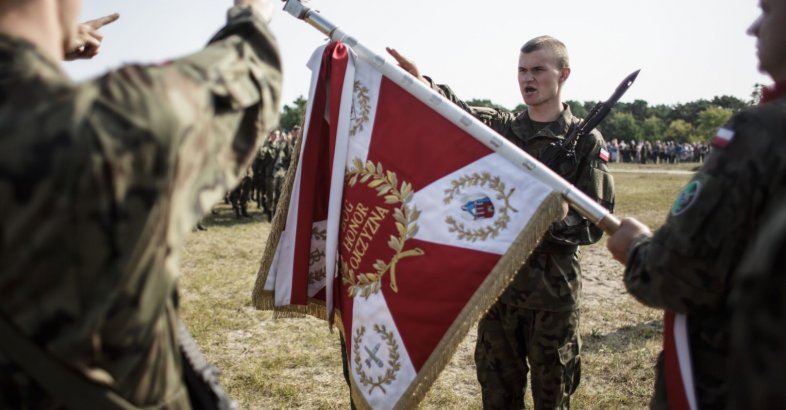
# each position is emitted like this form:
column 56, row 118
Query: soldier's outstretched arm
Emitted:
column 195, row 122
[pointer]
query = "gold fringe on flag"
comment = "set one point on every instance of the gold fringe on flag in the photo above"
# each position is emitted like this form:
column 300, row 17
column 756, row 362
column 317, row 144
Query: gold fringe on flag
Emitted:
column 264, row 299
column 260, row 298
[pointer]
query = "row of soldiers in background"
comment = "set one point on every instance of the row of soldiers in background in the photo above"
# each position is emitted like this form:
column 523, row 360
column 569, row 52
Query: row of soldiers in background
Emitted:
column 263, row 180
column 658, row 152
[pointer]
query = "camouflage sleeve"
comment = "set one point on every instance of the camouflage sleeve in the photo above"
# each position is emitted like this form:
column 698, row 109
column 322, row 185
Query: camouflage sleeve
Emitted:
column 188, row 129
column 687, row 264
column 594, row 179
column 496, row 119
column 758, row 325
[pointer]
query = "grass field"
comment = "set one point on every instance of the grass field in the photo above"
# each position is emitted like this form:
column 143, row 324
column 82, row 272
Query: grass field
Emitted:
column 296, row 363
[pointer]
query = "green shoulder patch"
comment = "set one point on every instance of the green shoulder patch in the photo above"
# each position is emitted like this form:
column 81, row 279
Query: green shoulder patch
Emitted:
column 686, row 198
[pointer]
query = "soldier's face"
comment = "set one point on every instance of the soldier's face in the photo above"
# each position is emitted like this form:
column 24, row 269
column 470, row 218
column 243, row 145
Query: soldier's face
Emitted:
column 540, row 79
column 770, row 32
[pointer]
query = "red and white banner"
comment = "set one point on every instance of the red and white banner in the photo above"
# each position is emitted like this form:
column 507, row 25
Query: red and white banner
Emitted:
column 424, row 227
column 295, row 266
column 677, row 367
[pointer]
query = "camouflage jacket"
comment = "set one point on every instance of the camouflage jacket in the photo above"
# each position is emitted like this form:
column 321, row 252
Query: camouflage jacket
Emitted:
column 687, row 266
column 99, row 184
column 551, row 279
column 758, row 329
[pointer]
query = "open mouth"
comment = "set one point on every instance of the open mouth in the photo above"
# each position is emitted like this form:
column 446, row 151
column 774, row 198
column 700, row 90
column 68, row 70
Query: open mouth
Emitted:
column 529, row 90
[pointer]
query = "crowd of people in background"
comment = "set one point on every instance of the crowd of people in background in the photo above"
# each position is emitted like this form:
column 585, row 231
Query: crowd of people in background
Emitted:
column 657, row 152
column 263, row 181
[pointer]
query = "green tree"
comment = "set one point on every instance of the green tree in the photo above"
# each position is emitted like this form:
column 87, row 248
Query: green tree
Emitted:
column 756, row 94
column 709, row 121
column 730, row 103
column 577, row 108
column 679, row 131
column 652, row 128
column 294, row 115
column 688, row 112
column 640, row 110
column 622, row 126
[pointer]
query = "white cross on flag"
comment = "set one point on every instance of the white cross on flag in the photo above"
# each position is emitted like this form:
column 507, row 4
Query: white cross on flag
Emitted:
column 421, row 226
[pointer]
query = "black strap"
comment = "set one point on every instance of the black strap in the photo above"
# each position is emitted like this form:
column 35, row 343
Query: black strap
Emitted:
column 63, row 383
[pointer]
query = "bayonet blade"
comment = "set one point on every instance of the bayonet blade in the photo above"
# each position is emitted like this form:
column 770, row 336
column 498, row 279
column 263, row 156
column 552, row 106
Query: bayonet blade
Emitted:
column 623, row 87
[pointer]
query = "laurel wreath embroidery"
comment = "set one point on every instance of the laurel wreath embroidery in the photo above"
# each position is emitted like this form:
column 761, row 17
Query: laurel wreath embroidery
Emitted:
column 316, row 276
column 386, row 184
column 494, row 183
column 393, row 359
column 359, row 116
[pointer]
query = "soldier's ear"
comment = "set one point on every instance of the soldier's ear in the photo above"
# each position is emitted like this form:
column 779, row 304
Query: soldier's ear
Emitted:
column 564, row 74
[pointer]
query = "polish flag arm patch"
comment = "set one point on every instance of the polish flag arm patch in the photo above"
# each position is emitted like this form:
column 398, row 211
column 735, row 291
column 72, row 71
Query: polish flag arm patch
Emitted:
column 604, row 155
column 722, row 138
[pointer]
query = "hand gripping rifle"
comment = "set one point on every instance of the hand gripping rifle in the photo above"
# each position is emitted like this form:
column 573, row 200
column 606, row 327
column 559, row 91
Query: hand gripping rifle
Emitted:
column 567, row 148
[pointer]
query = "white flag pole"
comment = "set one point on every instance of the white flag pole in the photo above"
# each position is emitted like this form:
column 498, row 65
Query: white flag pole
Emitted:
column 583, row 204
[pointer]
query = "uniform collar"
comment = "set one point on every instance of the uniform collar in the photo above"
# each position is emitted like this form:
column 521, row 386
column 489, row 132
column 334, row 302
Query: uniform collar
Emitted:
column 522, row 127
column 773, row 92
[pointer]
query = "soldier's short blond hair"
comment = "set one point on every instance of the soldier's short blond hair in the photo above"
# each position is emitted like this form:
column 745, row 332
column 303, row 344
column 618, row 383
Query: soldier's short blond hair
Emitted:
column 549, row 43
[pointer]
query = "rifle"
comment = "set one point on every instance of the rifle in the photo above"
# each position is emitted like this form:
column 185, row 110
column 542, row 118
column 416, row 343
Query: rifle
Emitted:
column 567, row 148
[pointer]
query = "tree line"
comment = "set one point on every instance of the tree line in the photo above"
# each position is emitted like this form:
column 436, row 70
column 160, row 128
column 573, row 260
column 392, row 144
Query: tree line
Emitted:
column 694, row 121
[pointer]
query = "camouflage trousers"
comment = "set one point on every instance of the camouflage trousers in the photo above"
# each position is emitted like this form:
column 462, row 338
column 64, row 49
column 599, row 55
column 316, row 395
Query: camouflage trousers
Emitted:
column 273, row 186
column 239, row 197
column 512, row 342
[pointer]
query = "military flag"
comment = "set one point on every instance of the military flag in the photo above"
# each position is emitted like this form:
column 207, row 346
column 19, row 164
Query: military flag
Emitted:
column 292, row 278
column 421, row 226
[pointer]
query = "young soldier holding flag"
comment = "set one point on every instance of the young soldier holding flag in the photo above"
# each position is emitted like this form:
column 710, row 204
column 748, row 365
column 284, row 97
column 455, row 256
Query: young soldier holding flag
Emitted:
column 534, row 325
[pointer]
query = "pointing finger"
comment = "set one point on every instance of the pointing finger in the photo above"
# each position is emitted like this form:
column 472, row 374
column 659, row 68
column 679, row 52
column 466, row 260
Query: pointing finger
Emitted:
column 102, row 21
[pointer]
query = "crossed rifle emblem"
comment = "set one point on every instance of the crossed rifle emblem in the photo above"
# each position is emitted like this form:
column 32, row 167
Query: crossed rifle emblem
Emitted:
column 372, row 356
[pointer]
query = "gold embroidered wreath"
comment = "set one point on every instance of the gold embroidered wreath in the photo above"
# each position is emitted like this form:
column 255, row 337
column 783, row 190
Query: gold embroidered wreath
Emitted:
column 393, row 359
column 494, row 183
column 387, row 185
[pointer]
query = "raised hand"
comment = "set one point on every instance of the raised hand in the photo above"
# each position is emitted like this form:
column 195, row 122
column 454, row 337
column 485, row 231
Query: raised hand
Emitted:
column 406, row 64
column 88, row 40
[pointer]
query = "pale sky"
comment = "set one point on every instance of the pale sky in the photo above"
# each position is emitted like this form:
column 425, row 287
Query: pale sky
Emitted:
column 686, row 49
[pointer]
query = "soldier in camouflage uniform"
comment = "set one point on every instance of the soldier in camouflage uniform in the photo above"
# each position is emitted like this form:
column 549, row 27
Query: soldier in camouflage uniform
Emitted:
column 277, row 155
column 280, row 165
column 758, row 326
column 258, row 180
column 269, row 157
column 534, row 325
column 99, row 184
column 687, row 266
column 241, row 194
